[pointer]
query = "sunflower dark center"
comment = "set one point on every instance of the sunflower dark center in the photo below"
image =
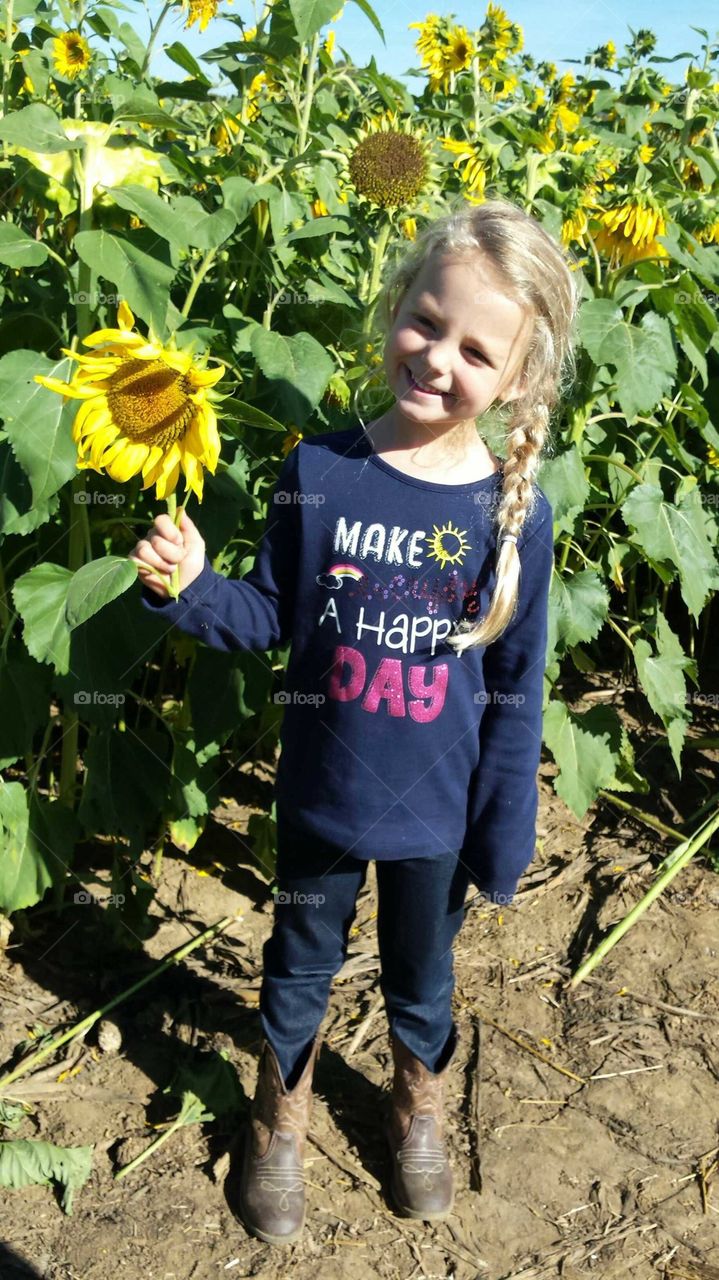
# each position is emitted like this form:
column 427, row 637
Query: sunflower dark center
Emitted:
column 75, row 51
column 388, row 168
column 150, row 402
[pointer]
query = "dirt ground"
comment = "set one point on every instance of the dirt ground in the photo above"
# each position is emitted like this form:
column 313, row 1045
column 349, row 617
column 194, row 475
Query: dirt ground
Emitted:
column 582, row 1122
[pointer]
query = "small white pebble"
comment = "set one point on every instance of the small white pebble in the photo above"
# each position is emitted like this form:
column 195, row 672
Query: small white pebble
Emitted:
column 109, row 1036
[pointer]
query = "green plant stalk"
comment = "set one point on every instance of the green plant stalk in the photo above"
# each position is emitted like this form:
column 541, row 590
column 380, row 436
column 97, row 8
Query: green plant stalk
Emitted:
column 378, row 252
column 79, row 539
column 678, row 859
column 153, row 36
column 4, row 611
column 80, row 18
column 260, row 232
column 647, row 818
column 178, row 1123
column 81, row 1027
column 175, row 514
column 477, row 92
column 197, row 278
column 309, row 94
column 6, row 65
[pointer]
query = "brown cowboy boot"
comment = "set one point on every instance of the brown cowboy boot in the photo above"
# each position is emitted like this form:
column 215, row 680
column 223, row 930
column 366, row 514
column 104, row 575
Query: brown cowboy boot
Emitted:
column 272, row 1191
column 421, row 1174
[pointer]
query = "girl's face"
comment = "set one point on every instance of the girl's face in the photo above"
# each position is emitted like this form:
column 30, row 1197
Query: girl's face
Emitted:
column 461, row 338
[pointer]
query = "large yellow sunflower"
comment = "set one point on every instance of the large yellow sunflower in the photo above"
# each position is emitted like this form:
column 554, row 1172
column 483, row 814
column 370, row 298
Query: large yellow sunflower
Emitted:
column 71, row 54
column 146, row 409
column 444, row 49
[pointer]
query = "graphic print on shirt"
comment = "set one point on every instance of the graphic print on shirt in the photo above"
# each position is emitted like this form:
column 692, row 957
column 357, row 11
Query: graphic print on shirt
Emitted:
column 400, row 689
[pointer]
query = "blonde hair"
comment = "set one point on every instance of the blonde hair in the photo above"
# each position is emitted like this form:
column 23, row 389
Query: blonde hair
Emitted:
column 533, row 270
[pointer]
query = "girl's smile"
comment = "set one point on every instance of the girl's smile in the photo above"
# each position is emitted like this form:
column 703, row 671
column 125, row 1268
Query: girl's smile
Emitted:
column 424, row 390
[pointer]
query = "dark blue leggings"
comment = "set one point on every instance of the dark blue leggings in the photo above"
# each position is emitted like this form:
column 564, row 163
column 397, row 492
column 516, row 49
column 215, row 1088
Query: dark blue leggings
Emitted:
column 420, row 911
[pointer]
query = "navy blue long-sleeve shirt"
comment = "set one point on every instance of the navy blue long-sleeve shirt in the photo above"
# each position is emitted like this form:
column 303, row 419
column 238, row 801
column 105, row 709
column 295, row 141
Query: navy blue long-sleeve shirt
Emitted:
column 392, row 745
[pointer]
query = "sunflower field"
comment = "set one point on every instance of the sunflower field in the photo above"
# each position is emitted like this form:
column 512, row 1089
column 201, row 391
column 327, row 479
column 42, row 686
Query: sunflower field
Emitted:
column 190, row 271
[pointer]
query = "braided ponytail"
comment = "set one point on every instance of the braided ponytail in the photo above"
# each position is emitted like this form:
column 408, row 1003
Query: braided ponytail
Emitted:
column 526, row 436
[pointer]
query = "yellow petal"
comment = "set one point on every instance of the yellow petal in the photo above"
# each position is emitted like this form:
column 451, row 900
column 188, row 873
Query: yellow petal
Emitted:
column 125, row 318
column 210, row 437
column 180, row 361
column 150, row 351
column 85, row 422
column 206, row 377
column 100, row 440
column 190, row 466
column 64, row 388
column 150, row 465
column 127, row 461
column 120, row 336
column 113, row 451
column 92, row 362
column 169, row 472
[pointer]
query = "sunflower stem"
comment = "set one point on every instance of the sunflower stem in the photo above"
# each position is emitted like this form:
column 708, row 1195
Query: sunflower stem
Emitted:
column 79, row 539
column 263, row 218
column 197, row 278
column 309, row 94
column 380, row 248
column 670, row 867
column 7, row 64
column 4, row 611
column 81, row 1027
column 175, row 514
column 156, row 1142
column 477, row 91
column 153, row 36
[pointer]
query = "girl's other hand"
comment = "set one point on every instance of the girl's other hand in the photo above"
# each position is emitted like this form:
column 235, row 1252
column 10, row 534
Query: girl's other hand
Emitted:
column 165, row 546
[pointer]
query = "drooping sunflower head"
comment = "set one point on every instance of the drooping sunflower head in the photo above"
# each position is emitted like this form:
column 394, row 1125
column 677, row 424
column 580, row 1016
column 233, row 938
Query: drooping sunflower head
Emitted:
column 628, row 229
column 71, row 54
column 499, row 37
column 390, row 164
column 225, row 134
column 147, row 409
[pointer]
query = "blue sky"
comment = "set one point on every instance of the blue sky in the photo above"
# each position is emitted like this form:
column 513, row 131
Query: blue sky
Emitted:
column 558, row 32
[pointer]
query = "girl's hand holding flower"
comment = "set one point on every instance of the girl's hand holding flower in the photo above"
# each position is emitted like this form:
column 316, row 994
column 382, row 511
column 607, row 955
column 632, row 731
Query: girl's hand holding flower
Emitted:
column 163, row 548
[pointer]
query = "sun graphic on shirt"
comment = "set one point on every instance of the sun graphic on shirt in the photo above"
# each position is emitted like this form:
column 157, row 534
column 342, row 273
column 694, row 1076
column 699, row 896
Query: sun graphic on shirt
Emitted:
column 448, row 545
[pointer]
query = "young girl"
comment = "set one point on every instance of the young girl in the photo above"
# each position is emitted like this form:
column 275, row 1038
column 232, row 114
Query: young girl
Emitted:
column 410, row 568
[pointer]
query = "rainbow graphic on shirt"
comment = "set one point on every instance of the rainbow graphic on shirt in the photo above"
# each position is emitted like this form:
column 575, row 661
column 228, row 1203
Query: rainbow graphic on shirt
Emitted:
column 345, row 571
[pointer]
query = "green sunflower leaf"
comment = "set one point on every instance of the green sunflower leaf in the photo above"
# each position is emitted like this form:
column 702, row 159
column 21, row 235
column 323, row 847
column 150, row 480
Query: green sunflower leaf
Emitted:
column 18, row 249
column 95, row 585
column 143, row 280
column 36, row 128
